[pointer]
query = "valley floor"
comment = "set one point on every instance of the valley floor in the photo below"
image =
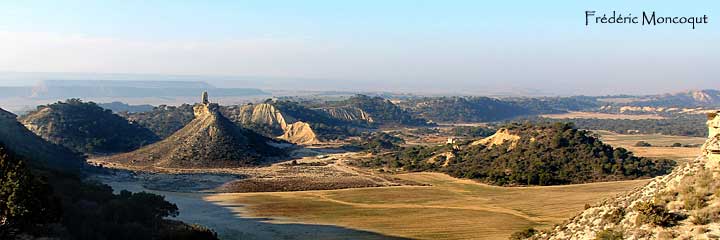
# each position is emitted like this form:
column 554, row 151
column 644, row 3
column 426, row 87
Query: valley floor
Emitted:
column 449, row 209
column 371, row 205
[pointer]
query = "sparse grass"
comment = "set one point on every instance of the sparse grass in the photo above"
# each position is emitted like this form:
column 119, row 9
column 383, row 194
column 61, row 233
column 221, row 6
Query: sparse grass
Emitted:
column 449, row 209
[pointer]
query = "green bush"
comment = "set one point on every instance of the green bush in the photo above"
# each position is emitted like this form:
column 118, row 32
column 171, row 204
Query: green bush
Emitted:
column 523, row 234
column 609, row 234
column 658, row 215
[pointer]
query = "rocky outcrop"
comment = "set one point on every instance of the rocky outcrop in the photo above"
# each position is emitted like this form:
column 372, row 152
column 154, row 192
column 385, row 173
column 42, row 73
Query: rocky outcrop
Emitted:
column 258, row 114
column 349, row 114
column 684, row 204
column 209, row 140
column 711, row 148
column 300, row 133
column 500, row 137
column 266, row 115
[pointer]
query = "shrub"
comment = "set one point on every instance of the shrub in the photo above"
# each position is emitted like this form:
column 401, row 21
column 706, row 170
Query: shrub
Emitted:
column 643, row 144
column 705, row 215
column 523, row 234
column 658, row 215
column 609, row 234
column 614, row 216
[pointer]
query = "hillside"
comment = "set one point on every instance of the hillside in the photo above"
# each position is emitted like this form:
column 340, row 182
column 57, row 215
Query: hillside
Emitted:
column 86, row 127
column 162, row 120
column 683, row 102
column 374, row 110
column 41, row 203
column 19, row 139
column 465, row 109
column 209, row 140
column 684, row 204
column 527, row 154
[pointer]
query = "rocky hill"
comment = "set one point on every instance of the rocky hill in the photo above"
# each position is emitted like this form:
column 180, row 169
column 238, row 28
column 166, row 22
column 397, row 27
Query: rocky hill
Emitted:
column 22, row 141
column 86, row 127
column 209, row 140
column 684, row 204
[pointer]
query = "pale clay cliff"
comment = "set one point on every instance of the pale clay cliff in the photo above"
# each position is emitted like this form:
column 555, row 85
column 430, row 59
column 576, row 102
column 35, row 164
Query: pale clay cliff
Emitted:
column 294, row 131
column 690, row 193
column 350, row 114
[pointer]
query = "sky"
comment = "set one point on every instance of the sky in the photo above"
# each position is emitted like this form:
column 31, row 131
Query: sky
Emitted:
column 467, row 47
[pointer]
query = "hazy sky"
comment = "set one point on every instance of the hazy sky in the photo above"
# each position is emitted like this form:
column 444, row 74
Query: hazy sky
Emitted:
column 428, row 46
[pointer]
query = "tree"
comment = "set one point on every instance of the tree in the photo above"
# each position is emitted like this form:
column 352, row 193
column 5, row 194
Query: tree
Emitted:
column 24, row 199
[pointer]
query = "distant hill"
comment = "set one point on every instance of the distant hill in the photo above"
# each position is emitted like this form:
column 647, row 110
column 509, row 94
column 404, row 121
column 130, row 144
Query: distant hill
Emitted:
column 544, row 154
column 118, row 107
column 209, row 140
column 693, row 98
column 162, row 120
column 375, row 110
column 86, row 127
column 465, row 109
column 22, row 141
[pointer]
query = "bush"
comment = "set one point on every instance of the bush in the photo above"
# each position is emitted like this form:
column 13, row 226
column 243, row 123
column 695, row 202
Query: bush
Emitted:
column 658, row 215
column 609, row 234
column 523, row 234
column 643, row 144
column 705, row 216
column 615, row 216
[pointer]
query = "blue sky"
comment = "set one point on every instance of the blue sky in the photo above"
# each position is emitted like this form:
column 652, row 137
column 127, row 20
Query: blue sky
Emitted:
column 402, row 45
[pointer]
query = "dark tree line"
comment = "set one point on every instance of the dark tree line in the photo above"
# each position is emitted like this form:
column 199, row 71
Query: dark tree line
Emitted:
column 545, row 154
column 44, row 202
